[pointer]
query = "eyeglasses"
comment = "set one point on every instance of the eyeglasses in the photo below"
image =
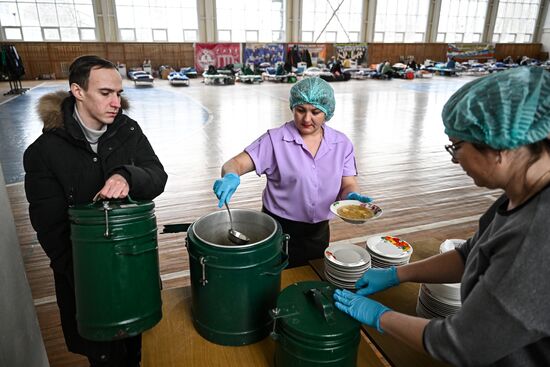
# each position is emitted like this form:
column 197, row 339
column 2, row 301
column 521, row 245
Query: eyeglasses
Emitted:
column 453, row 148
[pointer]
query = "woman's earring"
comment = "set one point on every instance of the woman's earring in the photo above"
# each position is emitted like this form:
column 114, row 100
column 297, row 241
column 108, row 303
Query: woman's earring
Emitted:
column 498, row 158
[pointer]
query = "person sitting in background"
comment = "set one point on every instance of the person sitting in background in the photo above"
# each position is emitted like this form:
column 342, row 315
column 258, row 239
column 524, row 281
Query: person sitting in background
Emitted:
column 387, row 70
column 499, row 128
column 211, row 70
column 347, row 63
column 308, row 166
column 280, row 69
column 412, row 64
column 336, row 68
column 331, row 62
column 451, row 63
column 525, row 60
column 508, row 60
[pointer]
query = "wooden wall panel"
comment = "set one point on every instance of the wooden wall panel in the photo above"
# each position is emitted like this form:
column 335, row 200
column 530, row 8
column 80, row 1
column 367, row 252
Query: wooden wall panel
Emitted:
column 37, row 52
column 516, row 50
column 115, row 52
column 187, row 54
column 378, row 52
column 134, row 55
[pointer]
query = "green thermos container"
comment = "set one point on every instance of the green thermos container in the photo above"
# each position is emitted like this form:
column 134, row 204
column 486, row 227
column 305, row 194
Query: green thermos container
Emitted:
column 116, row 268
column 234, row 286
column 310, row 331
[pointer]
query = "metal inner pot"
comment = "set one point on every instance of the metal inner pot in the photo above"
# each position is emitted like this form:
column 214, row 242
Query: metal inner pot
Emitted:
column 213, row 228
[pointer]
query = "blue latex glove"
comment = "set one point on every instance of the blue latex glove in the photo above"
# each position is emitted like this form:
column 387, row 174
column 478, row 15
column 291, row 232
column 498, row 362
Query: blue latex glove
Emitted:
column 225, row 187
column 361, row 198
column 376, row 280
column 363, row 309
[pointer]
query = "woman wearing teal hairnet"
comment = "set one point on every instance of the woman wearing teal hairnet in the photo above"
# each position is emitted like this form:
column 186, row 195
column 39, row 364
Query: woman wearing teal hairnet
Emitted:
column 499, row 129
column 308, row 166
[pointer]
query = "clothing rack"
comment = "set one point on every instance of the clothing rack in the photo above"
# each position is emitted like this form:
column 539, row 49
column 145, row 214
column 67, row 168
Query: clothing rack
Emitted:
column 12, row 66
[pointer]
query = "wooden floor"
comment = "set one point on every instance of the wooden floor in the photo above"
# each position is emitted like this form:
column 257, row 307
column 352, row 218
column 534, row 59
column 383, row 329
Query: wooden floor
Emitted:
column 398, row 137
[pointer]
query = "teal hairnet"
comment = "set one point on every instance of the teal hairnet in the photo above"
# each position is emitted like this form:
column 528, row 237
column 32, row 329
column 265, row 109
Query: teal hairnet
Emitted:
column 316, row 92
column 504, row 110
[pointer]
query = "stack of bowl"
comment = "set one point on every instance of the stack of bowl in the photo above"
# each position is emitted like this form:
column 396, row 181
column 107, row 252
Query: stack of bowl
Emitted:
column 440, row 300
column 386, row 251
column 345, row 264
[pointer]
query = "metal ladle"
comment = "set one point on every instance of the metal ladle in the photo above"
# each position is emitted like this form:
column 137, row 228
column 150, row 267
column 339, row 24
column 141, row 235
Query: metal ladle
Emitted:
column 235, row 236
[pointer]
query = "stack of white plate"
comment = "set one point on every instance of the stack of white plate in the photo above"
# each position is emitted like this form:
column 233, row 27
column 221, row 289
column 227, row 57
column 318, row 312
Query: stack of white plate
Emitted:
column 386, row 251
column 449, row 245
column 440, row 300
column 345, row 264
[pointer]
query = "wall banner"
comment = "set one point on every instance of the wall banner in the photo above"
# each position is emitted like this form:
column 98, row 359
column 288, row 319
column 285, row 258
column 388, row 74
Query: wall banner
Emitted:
column 217, row 54
column 256, row 53
column 354, row 52
column 469, row 51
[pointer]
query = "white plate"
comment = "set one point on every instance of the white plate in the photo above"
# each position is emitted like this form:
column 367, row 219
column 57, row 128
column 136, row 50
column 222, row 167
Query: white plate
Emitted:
column 449, row 245
column 375, row 209
column 390, row 247
column 348, row 255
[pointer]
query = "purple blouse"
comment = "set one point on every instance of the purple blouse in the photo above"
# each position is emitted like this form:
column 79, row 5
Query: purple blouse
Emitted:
column 301, row 187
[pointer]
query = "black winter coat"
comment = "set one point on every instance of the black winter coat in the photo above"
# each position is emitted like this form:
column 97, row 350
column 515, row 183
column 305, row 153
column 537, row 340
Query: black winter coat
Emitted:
column 61, row 169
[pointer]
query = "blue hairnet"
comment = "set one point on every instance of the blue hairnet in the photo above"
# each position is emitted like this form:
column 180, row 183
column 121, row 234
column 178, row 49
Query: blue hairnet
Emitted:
column 504, row 110
column 316, row 92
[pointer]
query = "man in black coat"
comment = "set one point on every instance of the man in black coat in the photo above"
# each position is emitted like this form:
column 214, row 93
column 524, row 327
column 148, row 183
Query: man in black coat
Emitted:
column 88, row 149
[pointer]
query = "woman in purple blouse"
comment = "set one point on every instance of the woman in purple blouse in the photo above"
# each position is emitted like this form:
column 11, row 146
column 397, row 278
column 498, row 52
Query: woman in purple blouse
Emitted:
column 308, row 166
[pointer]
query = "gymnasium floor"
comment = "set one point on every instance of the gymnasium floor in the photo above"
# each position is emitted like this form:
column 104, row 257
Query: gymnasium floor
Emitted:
column 395, row 127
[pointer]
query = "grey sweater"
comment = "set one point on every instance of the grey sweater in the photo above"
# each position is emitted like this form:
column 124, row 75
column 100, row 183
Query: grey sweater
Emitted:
column 505, row 314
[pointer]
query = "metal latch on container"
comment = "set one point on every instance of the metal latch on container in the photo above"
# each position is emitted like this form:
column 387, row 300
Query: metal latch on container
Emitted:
column 322, row 299
column 203, row 280
column 280, row 313
column 106, row 209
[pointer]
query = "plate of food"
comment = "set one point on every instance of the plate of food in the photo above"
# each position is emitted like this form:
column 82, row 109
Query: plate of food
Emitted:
column 355, row 211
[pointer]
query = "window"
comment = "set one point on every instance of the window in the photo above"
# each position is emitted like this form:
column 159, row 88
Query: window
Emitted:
column 461, row 21
column 401, row 20
column 157, row 20
column 224, row 35
column 190, row 35
column 319, row 24
column 51, row 34
column 250, row 21
column 127, row 34
column 516, row 20
column 13, row 33
column 48, row 20
column 160, row 35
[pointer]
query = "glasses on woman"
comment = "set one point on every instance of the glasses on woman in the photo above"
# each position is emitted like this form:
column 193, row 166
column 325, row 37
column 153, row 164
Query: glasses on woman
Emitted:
column 453, row 148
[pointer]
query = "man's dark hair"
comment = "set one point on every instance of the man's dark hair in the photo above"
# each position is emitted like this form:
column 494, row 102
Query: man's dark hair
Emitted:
column 79, row 71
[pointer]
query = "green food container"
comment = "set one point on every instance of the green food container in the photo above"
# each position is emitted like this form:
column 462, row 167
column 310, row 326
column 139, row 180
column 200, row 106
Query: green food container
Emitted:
column 235, row 286
column 116, row 269
column 310, row 331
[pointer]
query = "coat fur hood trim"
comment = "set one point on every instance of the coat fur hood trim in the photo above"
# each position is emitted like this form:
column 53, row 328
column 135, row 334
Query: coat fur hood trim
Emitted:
column 50, row 109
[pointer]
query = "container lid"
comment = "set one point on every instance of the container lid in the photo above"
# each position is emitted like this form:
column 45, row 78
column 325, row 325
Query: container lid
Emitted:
column 307, row 310
column 115, row 208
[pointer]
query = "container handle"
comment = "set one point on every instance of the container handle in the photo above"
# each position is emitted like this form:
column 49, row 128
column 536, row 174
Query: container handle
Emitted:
column 279, row 268
column 96, row 200
column 134, row 249
column 286, row 239
column 106, row 208
column 202, row 261
column 322, row 303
